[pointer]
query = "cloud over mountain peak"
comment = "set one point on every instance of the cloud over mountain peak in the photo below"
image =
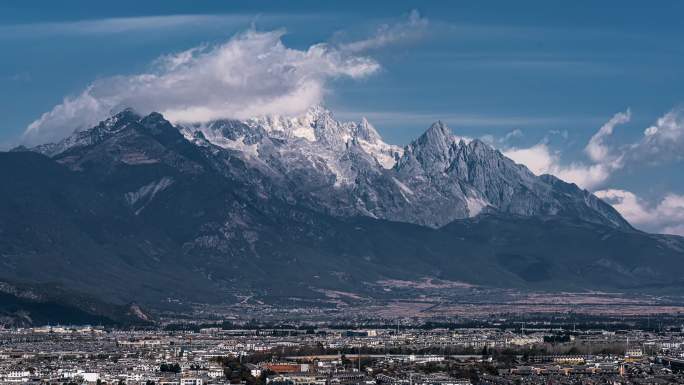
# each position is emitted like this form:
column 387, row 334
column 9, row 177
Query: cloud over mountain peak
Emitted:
column 251, row 74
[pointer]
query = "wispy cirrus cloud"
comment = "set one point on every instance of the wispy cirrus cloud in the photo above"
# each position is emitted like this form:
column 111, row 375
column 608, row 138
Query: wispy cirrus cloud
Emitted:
column 22, row 77
column 385, row 34
column 117, row 25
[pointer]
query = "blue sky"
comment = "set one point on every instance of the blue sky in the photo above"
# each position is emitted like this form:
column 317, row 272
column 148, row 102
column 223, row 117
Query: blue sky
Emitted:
column 537, row 79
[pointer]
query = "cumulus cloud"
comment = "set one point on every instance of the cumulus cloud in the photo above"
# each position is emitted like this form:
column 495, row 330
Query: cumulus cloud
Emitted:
column 541, row 159
column 513, row 134
column 661, row 142
column 596, row 149
column 538, row 158
column 251, row 74
column 666, row 216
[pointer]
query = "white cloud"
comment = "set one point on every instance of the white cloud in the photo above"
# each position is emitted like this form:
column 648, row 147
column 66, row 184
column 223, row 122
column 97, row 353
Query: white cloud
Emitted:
column 513, row 134
column 596, row 149
column 117, row 25
column 666, row 216
column 674, row 230
column 390, row 34
column 662, row 142
column 540, row 159
column 504, row 141
column 585, row 176
column 253, row 73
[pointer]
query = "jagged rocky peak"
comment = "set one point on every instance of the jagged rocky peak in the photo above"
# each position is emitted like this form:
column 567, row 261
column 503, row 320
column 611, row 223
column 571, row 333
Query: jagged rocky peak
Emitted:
column 317, row 124
column 438, row 134
column 480, row 152
column 154, row 119
column 311, row 125
column 113, row 124
column 432, row 151
column 329, row 131
column 314, row 132
column 367, row 132
column 438, row 150
column 480, row 147
column 128, row 114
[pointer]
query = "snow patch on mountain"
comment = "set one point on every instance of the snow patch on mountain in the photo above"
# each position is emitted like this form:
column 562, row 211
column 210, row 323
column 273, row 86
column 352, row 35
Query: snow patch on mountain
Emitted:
column 284, row 127
column 314, row 140
column 475, row 205
column 238, row 145
column 91, row 136
column 146, row 193
column 403, row 189
column 386, row 155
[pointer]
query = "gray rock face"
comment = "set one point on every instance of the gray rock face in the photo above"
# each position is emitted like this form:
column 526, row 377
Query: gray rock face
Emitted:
column 346, row 169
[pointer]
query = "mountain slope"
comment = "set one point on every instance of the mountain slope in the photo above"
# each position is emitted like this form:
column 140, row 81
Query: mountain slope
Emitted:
column 24, row 306
column 57, row 226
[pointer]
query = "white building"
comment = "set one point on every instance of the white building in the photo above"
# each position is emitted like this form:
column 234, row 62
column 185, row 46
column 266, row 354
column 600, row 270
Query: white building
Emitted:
column 191, row 381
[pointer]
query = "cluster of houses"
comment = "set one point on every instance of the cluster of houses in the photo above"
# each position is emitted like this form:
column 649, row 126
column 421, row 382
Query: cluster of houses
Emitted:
column 86, row 355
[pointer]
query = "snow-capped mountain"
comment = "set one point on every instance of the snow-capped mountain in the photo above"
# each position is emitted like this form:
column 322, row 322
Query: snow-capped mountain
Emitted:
column 279, row 207
column 314, row 136
column 346, row 169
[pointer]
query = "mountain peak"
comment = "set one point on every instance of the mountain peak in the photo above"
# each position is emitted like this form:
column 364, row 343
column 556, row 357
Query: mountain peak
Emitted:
column 437, row 138
column 439, row 128
column 477, row 146
column 431, row 152
column 126, row 115
column 104, row 128
column 318, row 113
column 367, row 132
column 156, row 122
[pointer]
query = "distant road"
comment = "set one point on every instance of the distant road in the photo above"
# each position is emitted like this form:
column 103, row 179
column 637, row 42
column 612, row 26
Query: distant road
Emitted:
column 327, row 357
